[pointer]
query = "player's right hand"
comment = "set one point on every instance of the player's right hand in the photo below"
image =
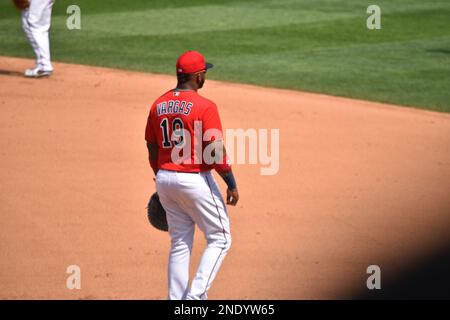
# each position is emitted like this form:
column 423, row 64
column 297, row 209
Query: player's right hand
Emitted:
column 232, row 197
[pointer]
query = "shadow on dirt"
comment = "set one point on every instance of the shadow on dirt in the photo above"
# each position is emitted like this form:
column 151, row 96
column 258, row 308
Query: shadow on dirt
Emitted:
column 11, row 73
column 428, row 278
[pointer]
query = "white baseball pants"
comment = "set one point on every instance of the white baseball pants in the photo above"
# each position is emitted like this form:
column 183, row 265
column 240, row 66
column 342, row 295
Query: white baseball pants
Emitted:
column 36, row 22
column 190, row 199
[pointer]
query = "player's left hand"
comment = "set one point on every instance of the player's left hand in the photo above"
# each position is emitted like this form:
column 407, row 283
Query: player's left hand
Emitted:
column 232, row 197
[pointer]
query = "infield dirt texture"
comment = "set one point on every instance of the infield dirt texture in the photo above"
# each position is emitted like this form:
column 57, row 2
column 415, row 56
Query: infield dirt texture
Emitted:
column 360, row 183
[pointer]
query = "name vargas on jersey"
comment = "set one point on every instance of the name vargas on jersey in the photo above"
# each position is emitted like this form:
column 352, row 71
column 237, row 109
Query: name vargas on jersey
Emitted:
column 174, row 107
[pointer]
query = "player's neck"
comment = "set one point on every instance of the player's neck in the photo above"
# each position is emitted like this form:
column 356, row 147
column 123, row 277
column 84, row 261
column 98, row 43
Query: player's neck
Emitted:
column 185, row 87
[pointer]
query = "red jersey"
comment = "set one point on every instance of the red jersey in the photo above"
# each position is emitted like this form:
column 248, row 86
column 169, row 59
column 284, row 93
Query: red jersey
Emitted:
column 179, row 119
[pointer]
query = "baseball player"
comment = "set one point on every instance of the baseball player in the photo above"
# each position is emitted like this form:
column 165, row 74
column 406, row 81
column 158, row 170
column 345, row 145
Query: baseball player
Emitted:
column 36, row 19
column 185, row 185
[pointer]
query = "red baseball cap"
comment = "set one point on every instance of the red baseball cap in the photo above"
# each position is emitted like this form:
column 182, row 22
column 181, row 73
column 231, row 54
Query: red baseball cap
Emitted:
column 192, row 62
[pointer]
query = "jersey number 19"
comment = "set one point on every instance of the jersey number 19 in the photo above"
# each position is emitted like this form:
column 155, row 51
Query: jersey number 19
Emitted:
column 177, row 132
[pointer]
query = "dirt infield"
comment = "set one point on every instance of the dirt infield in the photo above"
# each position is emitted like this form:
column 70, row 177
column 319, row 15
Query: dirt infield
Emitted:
column 359, row 183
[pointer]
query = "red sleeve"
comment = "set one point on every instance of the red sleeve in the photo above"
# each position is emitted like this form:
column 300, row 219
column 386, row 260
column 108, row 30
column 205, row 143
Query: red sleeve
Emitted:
column 211, row 123
column 224, row 166
column 150, row 135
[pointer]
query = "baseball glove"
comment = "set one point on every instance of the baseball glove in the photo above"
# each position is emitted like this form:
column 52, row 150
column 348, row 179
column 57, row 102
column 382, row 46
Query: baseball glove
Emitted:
column 21, row 4
column 156, row 213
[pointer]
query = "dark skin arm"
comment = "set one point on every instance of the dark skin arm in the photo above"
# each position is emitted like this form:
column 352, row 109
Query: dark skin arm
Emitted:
column 232, row 194
column 152, row 153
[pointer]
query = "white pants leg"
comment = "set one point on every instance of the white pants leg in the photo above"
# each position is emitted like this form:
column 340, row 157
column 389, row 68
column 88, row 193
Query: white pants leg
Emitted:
column 37, row 27
column 182, row 237
column 193, row 199
column 27, row 30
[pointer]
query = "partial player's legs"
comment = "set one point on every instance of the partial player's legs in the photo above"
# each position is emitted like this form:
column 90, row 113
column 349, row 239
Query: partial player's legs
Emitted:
column 189, row 198
column 181, row 230
column 27, row 30
column 38, row 20
column 182, row 237
column 211, row 216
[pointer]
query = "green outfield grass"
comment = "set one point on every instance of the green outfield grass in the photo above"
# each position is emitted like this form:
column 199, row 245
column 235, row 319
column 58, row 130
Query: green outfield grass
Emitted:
column 310, row 45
